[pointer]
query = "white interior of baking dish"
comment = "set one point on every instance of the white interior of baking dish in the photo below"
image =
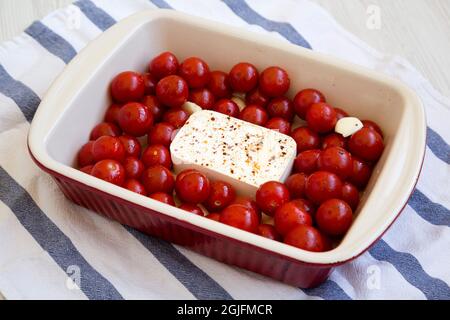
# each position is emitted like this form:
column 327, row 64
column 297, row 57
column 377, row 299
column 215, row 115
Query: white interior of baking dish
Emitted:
column 79, row 97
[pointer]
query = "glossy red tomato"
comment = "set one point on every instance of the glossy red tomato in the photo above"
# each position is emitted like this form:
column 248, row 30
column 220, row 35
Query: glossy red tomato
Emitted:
column 334, row 140
column 336, row 160
column 107, row 147
column 172, row 91
column 340, row 113
column 192, row 187
column 372, row 125
column 306, row 98
column 163, row 197
column 105, row 129
column 240, row 217
column 150, row 84
column 279, row 124
column 163, row 65
column 219, row 84
column 214, row 216
column 268, row 231
column 248, row 203
column 306, row 161
column 243, row 77
column 158, row 179
column 350, row 194
column 161, row 133
column 256, row 97
column 306, row 205
column 307, row 238
column 135, row 119
column 154, row 106
column 271, row 195
column 228, row 107
column 306, row 139
column 109, row 170
column 112, row 114
column 157, row 154
column 321, row 117
column 87, row 169
column 255, row 114
column 192, row 208
column 274, row 82
column 366, row 144
column 128, row 86
column 176, row 117
column 195, row 71
column 290, row 215
column 85, row 156
column 221, row 195
column 135, row 186
column 361, row 173
column 133, row 167
column 202, row 97
column 296, row 185
column 281, row 107
column 334, row 217
column 322, row 186
column 132, row 146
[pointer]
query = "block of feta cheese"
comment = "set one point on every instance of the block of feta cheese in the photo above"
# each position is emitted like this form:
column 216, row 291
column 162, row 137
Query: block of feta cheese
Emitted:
column 228, row 149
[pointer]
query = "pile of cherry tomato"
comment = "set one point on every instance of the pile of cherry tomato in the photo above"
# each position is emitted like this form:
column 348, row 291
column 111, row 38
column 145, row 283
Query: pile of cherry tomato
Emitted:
column 312, row 210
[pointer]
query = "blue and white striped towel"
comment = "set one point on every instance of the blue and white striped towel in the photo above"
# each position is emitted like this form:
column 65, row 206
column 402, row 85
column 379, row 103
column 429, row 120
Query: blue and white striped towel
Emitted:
column 44, row 238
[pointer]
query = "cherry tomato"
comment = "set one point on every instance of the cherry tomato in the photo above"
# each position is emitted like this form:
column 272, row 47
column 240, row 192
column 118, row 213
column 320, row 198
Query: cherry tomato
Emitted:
column 157, row 154
column 279, row 124
column 281, row 107
column 340, row 113
column 135, row 186
column 112, row 114
column 307, row 161
column 336, row 160
column 306, row 98
column 366, row 144
column 290, row 215
column 135, row 119
column 163, row 65
column 334, row 140
column 132, row 146
column 271, row 195
column 107, row 147
column 361, row 173
column 161, row 133
column 268, row 231
column 156, row 109
column 322, row 186
column 172, row 91
column 192, row 187
column 176, row 117
column 163, row 197
column 243, row 77
column 306, row 205
column 220, row 196
column 255, row 114
column 110, row 171
column 306, row 139
column 321, row 117
column 228, row 107
column 128, row 86
column 105, row 129
column 372, row 125
column 85, row 156
column 350, row 194
column 133, row 167
column 150, row 84
column 274, row 82
column 202, row 97
column 296, row 185
column 214, row 216
column 334, row 217
column 87, row 169
column 158, row 179
column 195, row 71
column 192, row 208
column 240, row 217
column 248, row 203
column 307, row 238
column 219, row 84
column 256, row 97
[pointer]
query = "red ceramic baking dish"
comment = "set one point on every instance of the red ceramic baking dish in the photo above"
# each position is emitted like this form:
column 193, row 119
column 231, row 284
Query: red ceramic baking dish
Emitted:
column 78, row 99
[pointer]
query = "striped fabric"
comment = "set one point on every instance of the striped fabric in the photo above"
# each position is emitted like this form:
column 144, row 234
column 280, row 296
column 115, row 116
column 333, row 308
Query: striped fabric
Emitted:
column 44, row 239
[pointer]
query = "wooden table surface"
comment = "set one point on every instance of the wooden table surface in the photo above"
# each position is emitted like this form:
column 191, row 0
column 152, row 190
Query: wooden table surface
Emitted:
column 415, row 29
